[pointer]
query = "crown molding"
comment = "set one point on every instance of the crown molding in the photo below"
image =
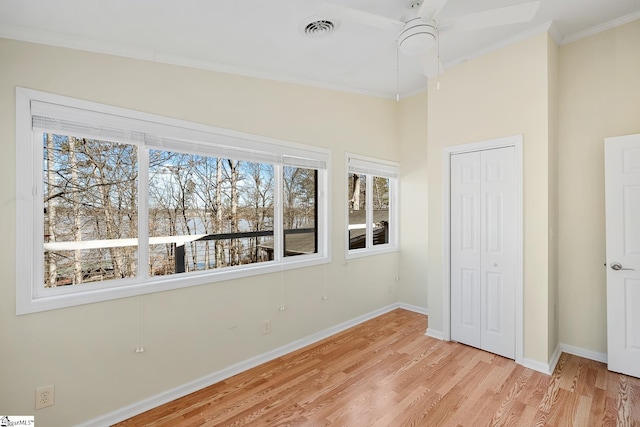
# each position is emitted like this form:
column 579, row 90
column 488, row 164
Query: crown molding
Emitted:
column 538, row 29
column 49, row 38
column 600, row 28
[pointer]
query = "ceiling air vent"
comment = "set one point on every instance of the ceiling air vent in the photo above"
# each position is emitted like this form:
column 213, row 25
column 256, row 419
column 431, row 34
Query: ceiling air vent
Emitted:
column 315, row 27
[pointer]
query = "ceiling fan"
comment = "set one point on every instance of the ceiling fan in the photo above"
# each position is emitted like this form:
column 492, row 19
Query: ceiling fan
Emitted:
column 419, row 34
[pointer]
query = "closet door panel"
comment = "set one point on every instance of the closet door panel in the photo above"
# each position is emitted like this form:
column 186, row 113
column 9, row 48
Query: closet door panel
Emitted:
column 465, row 248
column 497, row 261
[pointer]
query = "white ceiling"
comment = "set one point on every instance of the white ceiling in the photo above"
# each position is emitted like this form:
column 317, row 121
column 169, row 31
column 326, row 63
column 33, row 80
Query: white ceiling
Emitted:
column 264, row 38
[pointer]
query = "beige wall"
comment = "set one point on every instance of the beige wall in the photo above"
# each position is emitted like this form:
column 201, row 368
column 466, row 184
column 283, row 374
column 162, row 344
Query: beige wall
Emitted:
column 88, row 351
column 500, row 94
column 553, row 94
column 412, row 137
column 599, row 79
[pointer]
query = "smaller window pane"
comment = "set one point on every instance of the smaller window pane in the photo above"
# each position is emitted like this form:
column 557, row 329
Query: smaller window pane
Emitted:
column 380, row 210
column 300, row 211
column 207, row 213
column 357, row 211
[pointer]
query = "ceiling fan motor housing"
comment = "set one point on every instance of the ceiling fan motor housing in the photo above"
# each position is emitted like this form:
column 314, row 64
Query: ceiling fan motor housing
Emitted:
column 417, row 37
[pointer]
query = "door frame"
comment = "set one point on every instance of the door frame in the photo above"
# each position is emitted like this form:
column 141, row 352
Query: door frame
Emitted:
column 515, row 141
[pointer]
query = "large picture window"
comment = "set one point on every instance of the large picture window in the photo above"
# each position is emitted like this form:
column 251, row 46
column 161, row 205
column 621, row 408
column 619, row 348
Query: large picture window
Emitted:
column 371, row 205
column 115, row 203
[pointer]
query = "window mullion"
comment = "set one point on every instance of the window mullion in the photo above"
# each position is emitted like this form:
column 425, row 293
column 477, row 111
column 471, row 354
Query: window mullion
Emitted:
column 37, row 198
column 393, row 217
column 143, row 212
column 278, row 213
column 369, row 211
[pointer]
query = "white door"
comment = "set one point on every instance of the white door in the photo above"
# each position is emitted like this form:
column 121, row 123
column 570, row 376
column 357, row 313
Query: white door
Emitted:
column 483, row 229
column 622, row 189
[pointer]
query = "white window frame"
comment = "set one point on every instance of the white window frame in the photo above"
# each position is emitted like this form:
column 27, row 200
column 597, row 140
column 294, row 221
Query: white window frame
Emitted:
column 371, row 167
column 147, row 131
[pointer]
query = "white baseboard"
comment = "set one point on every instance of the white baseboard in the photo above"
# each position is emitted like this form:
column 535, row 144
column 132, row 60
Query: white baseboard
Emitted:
column 414, row 308
column 563, row 348
column 587, row 354
column 435, row 334
column 536, row 366
column 215, row 377
column 554, row 359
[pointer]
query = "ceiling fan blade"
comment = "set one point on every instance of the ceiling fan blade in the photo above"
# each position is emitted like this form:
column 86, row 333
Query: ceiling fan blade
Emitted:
column 495, row 17
column 360, row 16
column 430, row 9
column 431, row 64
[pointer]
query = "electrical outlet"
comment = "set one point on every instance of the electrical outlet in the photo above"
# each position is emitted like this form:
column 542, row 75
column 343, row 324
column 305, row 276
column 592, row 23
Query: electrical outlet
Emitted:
column 45, row 396
column 266, row 327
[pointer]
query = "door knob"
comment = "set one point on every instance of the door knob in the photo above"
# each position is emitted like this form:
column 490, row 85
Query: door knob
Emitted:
column 617, row 266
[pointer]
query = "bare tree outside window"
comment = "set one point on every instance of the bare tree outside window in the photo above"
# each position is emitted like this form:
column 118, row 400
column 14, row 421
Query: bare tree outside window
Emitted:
column 357, row 200
column 89, row 195
column 212, row 203
column 300, row 211
column 380, row 210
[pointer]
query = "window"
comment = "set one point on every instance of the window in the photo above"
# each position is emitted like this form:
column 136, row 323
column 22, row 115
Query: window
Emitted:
column 371, row 205
column 114, row 203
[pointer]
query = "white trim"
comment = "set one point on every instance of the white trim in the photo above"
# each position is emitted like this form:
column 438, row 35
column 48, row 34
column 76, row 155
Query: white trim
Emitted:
column 536, row 366
column 549, row 27
column 600, row 28
column 548, row 368
column 554, row 32
column 582, row 352
column 414, row 308
column 439, row 335
column 554, row 359
column 32, row 297
column 515, row 141
column 377, row 250
column 539, row 29
column 545, row 368
column 24, row 155
column 215, row 377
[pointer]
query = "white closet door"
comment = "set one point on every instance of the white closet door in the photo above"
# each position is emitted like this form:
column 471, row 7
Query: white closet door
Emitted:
column 622, row 185
column 483, row 249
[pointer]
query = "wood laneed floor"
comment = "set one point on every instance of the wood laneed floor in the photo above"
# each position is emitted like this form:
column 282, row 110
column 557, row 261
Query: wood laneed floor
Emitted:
column 386, row 372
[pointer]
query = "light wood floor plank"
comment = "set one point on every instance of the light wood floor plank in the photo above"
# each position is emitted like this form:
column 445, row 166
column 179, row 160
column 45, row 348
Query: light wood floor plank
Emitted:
column 386, row 372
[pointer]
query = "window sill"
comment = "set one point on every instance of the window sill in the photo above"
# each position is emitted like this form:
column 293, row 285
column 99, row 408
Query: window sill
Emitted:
column 51, row 299
column 361, row 253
